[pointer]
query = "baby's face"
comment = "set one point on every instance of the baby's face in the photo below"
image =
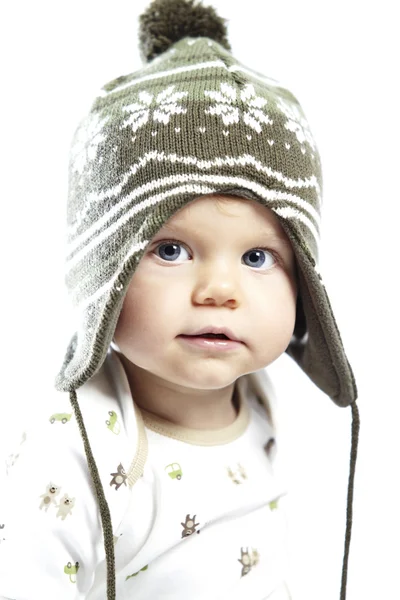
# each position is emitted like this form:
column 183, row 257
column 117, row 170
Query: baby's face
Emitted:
column 206, row 267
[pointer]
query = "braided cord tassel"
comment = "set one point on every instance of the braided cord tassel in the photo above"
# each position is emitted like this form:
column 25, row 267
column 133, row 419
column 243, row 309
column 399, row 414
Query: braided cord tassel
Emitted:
column 103, row 506
column 355, row 428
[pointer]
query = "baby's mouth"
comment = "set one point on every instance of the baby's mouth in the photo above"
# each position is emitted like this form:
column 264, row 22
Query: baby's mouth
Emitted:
column 219, row 336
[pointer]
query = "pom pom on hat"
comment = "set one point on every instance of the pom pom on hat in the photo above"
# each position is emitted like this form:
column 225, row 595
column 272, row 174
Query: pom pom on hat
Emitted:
column 165, row 22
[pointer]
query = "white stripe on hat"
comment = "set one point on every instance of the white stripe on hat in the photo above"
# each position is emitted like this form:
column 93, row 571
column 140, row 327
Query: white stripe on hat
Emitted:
column 243, row 160
column 219, row 64
column 266, row 193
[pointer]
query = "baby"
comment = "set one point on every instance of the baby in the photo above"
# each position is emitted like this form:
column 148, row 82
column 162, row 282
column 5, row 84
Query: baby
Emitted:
column 213, row 298
column 195, row 190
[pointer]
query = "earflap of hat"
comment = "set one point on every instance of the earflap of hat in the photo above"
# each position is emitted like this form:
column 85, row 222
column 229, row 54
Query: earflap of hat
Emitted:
column 316, row 345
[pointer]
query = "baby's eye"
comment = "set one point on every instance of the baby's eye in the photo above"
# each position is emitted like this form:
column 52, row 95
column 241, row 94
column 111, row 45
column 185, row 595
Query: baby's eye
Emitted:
column 170, row 250
column 257, row 257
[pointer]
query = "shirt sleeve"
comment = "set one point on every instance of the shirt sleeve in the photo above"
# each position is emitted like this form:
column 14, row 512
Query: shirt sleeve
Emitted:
column 51, row 535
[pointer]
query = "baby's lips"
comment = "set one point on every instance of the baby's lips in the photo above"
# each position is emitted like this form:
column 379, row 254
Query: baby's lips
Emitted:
column 214, row 330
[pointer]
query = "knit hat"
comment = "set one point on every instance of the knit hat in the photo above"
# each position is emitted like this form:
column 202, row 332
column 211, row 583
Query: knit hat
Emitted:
column 192, row 121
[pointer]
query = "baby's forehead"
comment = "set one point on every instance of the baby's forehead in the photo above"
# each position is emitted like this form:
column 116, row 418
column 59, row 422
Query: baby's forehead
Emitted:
column 247, row 217
column 208, row 206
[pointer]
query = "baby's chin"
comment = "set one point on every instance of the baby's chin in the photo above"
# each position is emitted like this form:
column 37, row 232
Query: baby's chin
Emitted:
column 202, row 378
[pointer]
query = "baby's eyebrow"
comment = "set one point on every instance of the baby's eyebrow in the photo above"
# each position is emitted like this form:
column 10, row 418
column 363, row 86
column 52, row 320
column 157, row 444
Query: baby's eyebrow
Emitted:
column 263, row 237
column 277, row 237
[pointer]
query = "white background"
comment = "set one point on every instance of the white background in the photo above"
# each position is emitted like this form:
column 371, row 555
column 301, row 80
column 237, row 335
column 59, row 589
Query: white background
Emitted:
column 341, row 60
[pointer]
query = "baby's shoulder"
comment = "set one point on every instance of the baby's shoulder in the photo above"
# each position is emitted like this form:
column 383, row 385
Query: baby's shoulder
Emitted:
column 53, row 431
column 50, row 455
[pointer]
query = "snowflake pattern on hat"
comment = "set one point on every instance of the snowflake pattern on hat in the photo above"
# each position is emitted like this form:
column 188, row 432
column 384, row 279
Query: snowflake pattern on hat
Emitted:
column 139, row 110
column 166, row 105
column 227, row 97
column 296, row 122
column 87, row 139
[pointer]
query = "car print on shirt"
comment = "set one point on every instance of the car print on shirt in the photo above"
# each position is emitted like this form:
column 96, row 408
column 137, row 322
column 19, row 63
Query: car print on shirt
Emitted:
column 113, row 423
column 174, row 470
column 71, row 569
column 63, row 417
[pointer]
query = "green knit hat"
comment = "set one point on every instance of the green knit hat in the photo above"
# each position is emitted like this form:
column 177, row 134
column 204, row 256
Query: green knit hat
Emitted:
column 193, row 121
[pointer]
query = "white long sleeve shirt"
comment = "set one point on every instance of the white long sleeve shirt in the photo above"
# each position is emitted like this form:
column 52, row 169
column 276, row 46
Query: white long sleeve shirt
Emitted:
column 195, row 514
